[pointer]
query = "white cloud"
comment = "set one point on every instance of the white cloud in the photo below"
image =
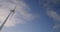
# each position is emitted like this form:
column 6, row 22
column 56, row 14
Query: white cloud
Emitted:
column 54, row 15
column 56, row 26
column 21, row 15
column 52, row 12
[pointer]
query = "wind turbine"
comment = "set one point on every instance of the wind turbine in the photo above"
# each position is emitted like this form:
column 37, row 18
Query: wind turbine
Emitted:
column 11, row 12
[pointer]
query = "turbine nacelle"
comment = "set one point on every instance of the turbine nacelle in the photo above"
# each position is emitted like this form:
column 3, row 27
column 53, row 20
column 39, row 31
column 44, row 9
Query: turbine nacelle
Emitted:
column 13, row 11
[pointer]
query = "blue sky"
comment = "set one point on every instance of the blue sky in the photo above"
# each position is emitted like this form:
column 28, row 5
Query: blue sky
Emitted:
column 31, row 15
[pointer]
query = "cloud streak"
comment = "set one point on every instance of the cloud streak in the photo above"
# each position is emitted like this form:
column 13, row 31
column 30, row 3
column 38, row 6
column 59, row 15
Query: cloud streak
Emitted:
column 52, row 10
column 21, row 15
column 54, row 15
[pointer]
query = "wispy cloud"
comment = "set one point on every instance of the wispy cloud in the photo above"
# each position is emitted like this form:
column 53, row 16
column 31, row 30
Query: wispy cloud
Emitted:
column 56, row 26
column 21, row 15
column 54, row 15
column 52, row 8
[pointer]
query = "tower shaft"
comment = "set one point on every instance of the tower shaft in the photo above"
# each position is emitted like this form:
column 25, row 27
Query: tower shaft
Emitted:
column 5, row 21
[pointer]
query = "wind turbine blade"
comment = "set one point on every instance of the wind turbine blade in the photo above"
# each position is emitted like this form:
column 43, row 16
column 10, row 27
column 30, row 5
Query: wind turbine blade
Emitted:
column 11, row 16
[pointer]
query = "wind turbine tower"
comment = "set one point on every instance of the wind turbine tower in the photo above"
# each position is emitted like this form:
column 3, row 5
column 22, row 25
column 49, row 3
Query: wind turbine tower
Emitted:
column 11, row 12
